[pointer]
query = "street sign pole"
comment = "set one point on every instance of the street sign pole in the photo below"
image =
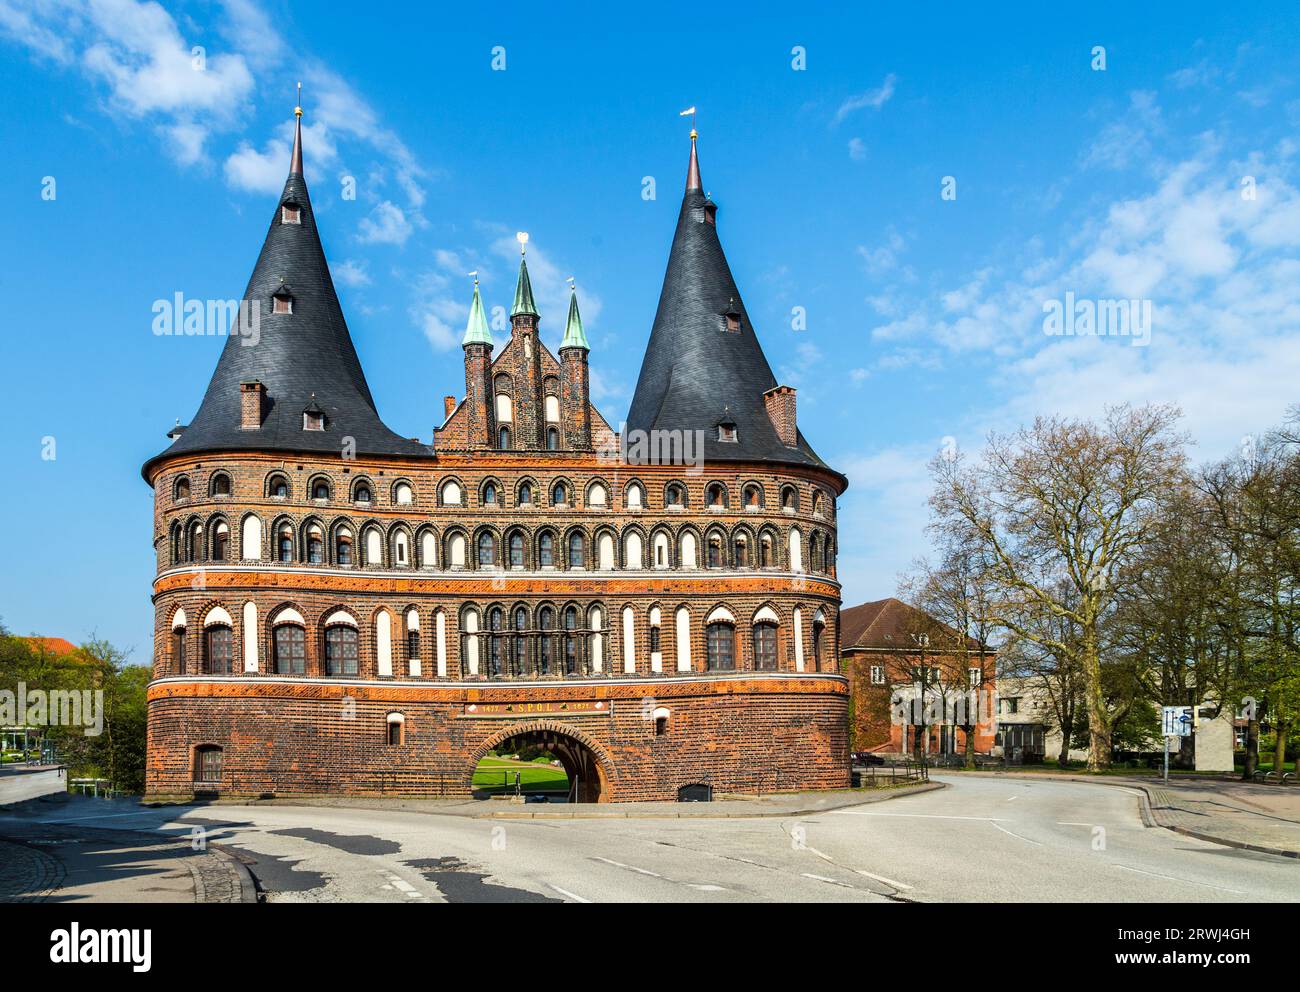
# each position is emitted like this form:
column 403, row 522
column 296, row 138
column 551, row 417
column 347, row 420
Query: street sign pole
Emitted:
column 1166, row 760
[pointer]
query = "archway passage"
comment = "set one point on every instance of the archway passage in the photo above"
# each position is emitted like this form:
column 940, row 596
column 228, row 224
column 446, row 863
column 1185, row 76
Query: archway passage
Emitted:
column 580, row 776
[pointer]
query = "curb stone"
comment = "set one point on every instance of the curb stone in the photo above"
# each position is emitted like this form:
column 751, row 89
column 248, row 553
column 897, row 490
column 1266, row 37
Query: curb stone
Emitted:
column 1147, row 810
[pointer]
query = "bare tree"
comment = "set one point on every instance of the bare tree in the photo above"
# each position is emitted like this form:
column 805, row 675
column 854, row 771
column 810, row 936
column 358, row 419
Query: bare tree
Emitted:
column 1065, row 504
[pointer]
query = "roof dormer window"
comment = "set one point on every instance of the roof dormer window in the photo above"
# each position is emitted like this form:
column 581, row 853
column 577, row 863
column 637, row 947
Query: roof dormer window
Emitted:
column 727, row 433
column 313, row 418
column 290, row 213
column 282, row 301
column 731, row 322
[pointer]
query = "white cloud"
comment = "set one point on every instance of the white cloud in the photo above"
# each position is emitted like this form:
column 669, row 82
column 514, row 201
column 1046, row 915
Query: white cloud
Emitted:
column 857, row 149
column 386, row 225
column 351, row 273
column 875, row 99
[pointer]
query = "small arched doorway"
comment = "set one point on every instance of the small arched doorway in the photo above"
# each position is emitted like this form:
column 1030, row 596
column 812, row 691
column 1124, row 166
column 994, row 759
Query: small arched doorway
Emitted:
column 584, row 763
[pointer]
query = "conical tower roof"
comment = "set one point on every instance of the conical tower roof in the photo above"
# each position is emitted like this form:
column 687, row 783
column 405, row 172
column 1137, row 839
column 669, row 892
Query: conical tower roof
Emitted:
column 574, row 335
column 476, row 328
column 523, row 292
column 294, row 355
column 703, row 365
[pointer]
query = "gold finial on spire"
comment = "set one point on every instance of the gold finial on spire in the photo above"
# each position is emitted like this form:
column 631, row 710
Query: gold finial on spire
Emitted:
column 297, row 110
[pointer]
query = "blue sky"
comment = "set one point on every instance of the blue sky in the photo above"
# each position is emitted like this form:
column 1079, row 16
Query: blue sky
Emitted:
column 924, row 314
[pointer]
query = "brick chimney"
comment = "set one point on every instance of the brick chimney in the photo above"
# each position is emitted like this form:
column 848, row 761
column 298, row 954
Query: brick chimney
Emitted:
column 781, row 410
column 448, row 406
column 252, row 405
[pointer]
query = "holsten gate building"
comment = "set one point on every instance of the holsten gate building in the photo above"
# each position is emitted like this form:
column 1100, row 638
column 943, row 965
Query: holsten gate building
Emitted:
column 343, row 610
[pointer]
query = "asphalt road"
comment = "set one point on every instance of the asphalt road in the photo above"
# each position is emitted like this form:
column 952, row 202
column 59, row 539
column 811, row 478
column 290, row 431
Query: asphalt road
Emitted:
column 981, row 839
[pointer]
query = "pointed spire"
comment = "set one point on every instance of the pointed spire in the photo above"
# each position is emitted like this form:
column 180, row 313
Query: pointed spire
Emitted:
column 574, row 335
column 693, row 180
column 524, row 288
column 476, row 330
column 295, row 161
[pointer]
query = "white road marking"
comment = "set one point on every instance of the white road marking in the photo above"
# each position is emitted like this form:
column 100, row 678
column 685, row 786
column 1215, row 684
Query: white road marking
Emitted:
column 706, row 888
column 101, row 816
column 568, row 895
column 919, row 816
column 1175, row 878
column 823, row 878
column 1012, row 799
column 1072, row 823
column 1015, row 835
column 902, row 886
column 619, row 864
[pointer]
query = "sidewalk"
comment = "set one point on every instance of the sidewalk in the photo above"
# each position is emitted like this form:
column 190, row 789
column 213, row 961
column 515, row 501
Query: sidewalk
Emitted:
column 1246, row 815
column 43, row 862
column 787, row 804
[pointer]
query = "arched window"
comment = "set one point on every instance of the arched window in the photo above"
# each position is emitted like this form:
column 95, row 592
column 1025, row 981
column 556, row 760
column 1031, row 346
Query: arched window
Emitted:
column 451, row 493
column 182, row 489
column 546, row 651
column 753, row 497
column 220, row 542
column 819, row 631
column 526, row 494
column 720, row 643
column 284, row 544
column 401, row 549
column 796, row 550
column 362, row 493
column 178, row 650
column 546, row 550
column 403, row 494
column 789, row 499
column 716, row 495
column 315, row 546
column 428, row 549
column 520, row 641
column 635, row 496
column 279, row 487
column 676, row 495
column 456, row 550
column 221, row 484
column 765, row 646
column 343, row 550
column 741, row 552
column 289, row 649
column 577, row 551
column 195, row 541
column 341, row 650
column 597, row 494
column 516, row 550
column 490, row 494
column 559, row 495
column 503, row 438
column 487, row 550
column 714, row 552
column 571, row 641
column 765, row 552
column 374, row 545
column 218, row 655
column 816, row 501
column 396, row 730
column 320, row 489
column 495, row 641
column 661, row 550
column 552, row 439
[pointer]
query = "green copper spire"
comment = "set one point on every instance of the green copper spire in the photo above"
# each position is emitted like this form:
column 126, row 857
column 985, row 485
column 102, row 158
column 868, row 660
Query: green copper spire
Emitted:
column 476, row 331
column 523, row 292
column 574, row 335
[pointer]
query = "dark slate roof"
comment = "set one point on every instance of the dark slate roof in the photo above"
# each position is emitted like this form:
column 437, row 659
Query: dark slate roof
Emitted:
column 296, row 355
column 695, row 373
